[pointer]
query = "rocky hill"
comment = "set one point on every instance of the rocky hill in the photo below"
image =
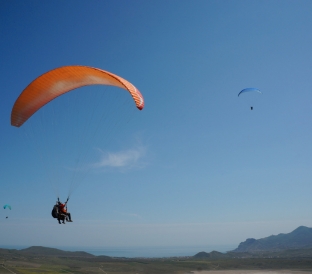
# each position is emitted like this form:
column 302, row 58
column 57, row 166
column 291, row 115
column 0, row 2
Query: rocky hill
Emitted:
column 47, row 251
column 300, row 238
column 211, row 255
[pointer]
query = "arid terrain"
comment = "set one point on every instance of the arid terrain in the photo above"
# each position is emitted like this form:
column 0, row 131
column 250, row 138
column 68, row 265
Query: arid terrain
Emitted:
column 251, row 272
column 52, row 261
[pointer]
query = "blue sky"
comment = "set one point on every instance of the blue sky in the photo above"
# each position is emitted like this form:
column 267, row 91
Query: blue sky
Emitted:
column 196, row 166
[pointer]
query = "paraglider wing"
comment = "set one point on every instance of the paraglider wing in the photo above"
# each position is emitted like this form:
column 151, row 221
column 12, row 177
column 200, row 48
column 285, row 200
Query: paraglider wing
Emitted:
column 61, row 80
column 7, row 206
column 249, row 90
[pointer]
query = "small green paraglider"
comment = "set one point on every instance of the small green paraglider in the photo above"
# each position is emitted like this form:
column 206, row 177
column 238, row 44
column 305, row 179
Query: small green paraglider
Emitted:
column 7, row 207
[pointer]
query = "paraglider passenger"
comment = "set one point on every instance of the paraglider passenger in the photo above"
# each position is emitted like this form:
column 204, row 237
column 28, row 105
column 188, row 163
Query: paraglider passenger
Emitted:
column 63, row 214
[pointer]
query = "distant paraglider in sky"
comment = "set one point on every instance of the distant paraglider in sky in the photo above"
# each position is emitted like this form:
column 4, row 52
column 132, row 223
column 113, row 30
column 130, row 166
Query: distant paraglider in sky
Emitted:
column 250, row 90
column 7, row 207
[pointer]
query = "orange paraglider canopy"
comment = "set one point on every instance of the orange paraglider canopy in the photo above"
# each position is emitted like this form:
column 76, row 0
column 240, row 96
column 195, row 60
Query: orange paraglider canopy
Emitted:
column 61, row 80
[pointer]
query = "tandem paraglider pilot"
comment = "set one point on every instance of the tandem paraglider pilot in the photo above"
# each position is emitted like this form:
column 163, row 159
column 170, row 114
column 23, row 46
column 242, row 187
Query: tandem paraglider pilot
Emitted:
column 60, row 212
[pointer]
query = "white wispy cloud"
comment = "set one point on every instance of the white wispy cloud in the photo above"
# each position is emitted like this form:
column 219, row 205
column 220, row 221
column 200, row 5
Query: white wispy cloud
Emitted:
column 129, row 158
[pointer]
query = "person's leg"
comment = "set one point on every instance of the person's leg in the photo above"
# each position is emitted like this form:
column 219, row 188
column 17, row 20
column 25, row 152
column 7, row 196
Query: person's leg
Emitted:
column 69, row 217
column 59, row 218
column 63, row 218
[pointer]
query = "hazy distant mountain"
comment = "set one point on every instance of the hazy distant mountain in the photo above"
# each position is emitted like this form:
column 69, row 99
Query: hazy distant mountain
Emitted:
column 298, row 239
column 47, row 251
column 211, row 255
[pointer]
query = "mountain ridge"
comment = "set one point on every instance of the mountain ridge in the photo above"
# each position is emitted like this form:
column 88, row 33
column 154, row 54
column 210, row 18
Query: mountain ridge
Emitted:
column 49, row 251
column 300, row 238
